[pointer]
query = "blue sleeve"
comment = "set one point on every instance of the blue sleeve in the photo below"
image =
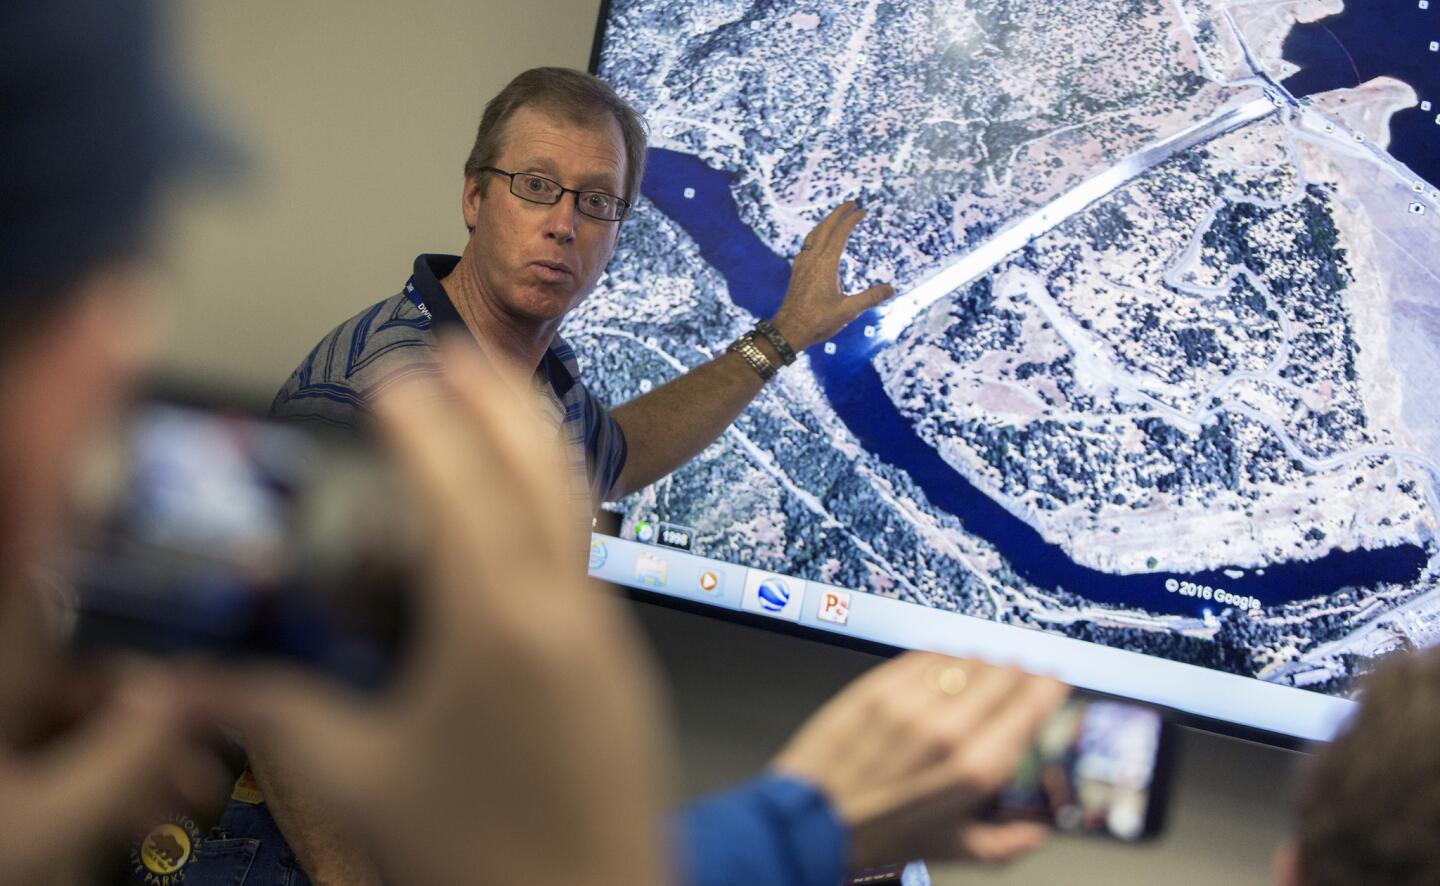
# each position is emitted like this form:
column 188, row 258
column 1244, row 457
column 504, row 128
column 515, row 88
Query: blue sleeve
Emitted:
column 771, row 831
column 606, row 449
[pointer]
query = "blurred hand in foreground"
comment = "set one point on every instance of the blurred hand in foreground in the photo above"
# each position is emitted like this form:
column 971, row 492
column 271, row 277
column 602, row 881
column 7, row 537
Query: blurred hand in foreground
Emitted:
column 87, row 758
column 909, row 754
column 521, row 742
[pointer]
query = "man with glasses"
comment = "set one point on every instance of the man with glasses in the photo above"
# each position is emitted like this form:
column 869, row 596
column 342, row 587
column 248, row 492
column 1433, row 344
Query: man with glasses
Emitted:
column 556, row 164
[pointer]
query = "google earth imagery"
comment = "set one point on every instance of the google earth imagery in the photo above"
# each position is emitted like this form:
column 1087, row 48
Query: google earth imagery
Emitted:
column 1160, row 371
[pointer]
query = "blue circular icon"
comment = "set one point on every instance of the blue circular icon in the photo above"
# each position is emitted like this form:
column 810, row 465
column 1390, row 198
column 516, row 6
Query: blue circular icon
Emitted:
column 774, row 594
column 598, row 554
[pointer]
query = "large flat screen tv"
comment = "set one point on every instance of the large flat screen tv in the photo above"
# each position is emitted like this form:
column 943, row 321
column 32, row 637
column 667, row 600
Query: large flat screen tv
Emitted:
column 1155, row 407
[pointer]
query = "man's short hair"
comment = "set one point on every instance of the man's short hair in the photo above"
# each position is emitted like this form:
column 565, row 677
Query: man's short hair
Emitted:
column 574, row 95
column 1369, row 803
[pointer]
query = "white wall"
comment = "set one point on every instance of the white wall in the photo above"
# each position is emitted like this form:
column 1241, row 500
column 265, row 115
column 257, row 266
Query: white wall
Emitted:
column 360, row 114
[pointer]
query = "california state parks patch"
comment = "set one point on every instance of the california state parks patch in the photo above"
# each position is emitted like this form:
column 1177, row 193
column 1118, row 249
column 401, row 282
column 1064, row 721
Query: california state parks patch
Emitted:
column 162, row 855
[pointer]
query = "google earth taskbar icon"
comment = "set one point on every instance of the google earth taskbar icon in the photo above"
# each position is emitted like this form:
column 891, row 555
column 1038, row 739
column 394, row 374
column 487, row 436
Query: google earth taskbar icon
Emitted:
column 773, row 595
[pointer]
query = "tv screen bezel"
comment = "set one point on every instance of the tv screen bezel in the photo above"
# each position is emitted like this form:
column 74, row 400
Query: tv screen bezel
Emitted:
column 1179, row 716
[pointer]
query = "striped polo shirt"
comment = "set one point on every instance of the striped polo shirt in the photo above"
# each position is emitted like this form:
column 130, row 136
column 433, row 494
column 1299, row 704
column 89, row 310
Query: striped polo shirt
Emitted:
column 395, row 339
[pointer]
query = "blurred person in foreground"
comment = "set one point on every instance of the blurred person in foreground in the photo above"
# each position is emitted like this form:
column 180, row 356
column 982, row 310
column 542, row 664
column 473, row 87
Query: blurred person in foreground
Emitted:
column 88, row 136
column 1368, row 803
column 565, row 786
column 84, row 757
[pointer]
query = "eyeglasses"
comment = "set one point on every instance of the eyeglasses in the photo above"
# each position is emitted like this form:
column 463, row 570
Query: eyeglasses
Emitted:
column 539, row 189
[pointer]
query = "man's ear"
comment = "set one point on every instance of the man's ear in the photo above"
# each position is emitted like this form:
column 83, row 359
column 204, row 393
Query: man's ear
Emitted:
column 470, row 198
column 1285, row 868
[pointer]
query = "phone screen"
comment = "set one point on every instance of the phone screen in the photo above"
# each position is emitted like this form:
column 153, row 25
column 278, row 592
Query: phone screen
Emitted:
column 212, row 529
column 1096, row 767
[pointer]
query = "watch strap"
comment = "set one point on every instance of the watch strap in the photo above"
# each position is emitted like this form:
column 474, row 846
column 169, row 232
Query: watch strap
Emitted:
column 782, row 347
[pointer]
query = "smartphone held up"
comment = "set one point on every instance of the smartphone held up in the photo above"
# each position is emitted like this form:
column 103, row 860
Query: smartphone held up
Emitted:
column 210, row 529
column 1097, row 767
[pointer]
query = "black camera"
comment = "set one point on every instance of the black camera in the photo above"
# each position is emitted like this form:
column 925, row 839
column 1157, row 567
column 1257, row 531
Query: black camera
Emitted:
column 207, row 528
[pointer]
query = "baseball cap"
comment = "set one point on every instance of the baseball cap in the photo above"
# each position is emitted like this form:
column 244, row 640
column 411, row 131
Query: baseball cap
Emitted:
column 91, row 130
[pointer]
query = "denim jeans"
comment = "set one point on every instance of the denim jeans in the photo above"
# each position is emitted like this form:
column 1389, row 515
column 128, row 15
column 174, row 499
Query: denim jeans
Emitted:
column 246, row 849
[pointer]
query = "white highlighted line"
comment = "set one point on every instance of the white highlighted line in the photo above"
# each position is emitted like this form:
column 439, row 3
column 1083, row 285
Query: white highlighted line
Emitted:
column 898, row 314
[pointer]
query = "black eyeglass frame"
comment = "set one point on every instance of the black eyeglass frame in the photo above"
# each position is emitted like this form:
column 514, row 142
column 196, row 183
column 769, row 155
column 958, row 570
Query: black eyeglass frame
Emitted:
column 530, row 198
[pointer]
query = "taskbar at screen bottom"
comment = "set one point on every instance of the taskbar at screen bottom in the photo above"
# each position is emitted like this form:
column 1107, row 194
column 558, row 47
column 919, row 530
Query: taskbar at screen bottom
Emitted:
column 1200, row 692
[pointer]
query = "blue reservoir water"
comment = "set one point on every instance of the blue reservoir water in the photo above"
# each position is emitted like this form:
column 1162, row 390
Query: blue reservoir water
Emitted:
column 1373, row 38
column 757, row 279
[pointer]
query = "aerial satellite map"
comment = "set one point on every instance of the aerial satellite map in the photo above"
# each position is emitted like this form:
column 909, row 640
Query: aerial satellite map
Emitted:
column 1160, row 369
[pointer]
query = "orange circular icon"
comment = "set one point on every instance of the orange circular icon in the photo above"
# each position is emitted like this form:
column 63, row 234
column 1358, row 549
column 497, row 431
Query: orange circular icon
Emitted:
column 709, row 581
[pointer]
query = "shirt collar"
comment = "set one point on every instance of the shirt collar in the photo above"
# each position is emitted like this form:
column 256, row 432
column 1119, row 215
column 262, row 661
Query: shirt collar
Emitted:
column 435, row 302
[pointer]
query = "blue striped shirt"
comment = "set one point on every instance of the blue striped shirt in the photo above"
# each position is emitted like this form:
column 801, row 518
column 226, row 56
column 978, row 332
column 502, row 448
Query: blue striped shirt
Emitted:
column 771, row 831
column 395, row 339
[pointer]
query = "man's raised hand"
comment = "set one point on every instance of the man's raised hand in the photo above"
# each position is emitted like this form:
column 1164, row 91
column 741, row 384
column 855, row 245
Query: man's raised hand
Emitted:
column 815, row 307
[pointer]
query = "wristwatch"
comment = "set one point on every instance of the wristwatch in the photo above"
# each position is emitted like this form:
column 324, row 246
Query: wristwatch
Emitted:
column 782, row 347
column 745, row 347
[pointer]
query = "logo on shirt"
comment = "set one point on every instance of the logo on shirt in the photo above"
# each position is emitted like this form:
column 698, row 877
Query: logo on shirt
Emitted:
column 160, row 858
column 415, row 299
